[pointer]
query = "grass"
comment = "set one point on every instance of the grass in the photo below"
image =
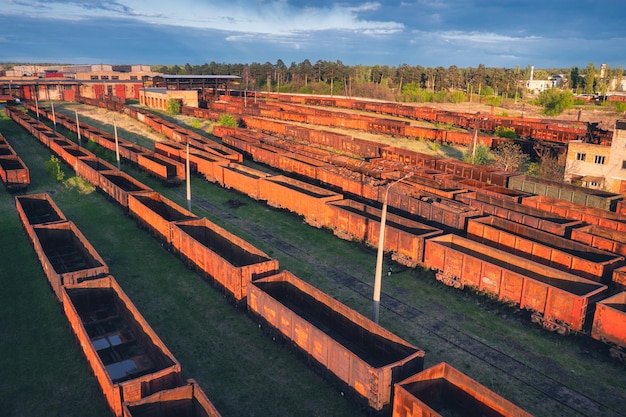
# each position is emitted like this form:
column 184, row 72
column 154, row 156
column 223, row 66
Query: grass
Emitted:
column 243, row 371
column 246, row 373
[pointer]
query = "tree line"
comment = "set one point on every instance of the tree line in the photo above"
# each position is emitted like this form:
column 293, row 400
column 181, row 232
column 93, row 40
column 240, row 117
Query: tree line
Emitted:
column 402, row 83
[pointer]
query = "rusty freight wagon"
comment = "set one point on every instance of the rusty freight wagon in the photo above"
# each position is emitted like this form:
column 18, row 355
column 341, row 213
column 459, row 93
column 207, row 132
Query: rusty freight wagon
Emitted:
column 297, row 196
column 568, row 209
column 567, row 192
column 602, row 238
column 557, row 300
column 243, row 179
column 36, row 209
column 90, row 167
column 165, row 169
column 443, row 212
column 363, row 356
column 117, row 185
column 157, row 213
column 618, row 280
column 442, row 390
column 519, row 213
column 609, row 324
column 186, row 401
column 66, row 256
column 221, row 256
column 127, row 357
column 404, row 237
column 14, row 173
column 545, row 248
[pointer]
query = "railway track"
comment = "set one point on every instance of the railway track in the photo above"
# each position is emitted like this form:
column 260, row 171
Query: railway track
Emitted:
column 547, row 388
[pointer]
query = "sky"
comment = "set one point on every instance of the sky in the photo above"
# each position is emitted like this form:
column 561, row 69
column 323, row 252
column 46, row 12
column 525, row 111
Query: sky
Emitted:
column 430, row 33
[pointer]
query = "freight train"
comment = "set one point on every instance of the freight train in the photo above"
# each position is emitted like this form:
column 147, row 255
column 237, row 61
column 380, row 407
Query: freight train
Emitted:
column 138, row 374
column 438, row 216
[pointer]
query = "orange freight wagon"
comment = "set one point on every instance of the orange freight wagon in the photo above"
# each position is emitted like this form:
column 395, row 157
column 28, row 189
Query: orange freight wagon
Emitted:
column 443, row 390
column 545, row 248
column 37, row 209
column 127, row 357
column 221, row 256
column 364, row 357
column 609, row 324
column 558, row 300
column 186, row 401
column 66, row 256
column 117, row 185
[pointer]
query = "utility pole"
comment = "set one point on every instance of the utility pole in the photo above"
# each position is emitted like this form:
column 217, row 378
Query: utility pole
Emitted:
column 117, row 146
column 188, row 179
column 54, row 118
column 379, row 256
column 77, row 127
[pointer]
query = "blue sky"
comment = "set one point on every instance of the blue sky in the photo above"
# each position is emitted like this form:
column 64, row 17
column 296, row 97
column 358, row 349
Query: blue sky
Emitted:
column 430, row 33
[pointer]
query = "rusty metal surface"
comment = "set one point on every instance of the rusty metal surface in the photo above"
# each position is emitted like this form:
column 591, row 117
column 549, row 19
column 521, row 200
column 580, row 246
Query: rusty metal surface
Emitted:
column 157, row 213
column 520, row 213
column 559, row 299
column 66, row 256
column 545, row 248
column 185, row 401
column 127, row 357
column 218, row 254
column 117, row 185
column 443, row 390
column 404, row 237
column 363, row 355
column 609, row 320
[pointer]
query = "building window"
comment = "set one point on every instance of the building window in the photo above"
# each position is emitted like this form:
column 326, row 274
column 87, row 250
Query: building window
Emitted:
column 115, row 77
column 94, row 77
column 593, row 184
column 104, row 77
column 133, row 77
column 581, row 156
column 599, row 159
column 623, row 164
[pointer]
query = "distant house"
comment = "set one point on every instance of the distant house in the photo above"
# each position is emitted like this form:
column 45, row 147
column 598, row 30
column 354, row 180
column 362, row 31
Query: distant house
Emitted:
column 557, row 80
column 599, row 166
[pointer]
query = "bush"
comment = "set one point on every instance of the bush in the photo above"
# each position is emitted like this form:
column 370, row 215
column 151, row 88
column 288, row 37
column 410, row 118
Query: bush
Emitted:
column 173, row 106
column 619, row 106
column 505, row 132
column 227, row 120
column 555, row 101
column 53, row 167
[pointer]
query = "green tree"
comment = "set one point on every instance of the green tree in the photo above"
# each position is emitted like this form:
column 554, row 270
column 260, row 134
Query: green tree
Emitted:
column 173, row 106
column 482, row 156
column 508, row 156
column 589, row 79
column 555, row 101
column 227, row 120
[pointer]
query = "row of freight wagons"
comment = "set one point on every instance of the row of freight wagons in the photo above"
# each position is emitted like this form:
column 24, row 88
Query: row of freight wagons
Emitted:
column 564, row 326
column 14, row 174
column 139, row 376
column 136, row 372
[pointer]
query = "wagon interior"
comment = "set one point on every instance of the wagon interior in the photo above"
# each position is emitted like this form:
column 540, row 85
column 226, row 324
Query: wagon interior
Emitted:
column 65, row 251
column 122, row 345
column 372, row 348
column 166, row 211
column 39, row 210
column 222, row 246
column 449, row 400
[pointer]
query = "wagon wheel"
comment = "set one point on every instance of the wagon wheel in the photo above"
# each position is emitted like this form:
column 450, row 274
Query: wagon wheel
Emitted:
column 536, row 318
column 458, row 284
column 562, row 329
column 618, row 354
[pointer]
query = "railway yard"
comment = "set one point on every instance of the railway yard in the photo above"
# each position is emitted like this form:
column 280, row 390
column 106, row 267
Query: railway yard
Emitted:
column 248, row 213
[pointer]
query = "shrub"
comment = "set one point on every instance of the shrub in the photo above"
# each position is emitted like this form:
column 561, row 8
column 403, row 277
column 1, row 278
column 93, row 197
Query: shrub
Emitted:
column 505, row 132
column 227, row 120
column 53, row 167
column 173, row 106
